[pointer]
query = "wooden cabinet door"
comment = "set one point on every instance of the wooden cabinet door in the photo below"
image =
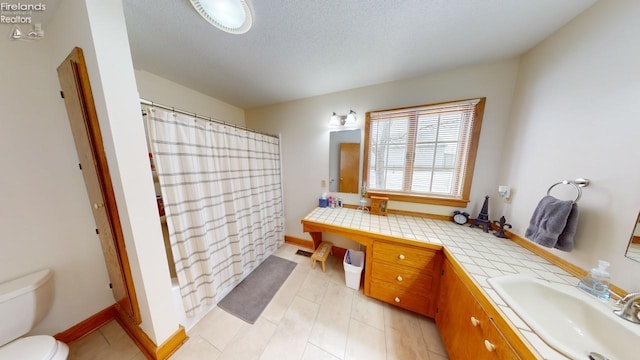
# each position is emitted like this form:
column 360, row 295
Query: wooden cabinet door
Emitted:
column 465, row 328
column 78, row 99
column 453, row 317
column 501, row 348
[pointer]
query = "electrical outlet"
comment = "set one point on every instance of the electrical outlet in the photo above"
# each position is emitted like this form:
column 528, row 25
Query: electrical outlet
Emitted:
column 504, row 191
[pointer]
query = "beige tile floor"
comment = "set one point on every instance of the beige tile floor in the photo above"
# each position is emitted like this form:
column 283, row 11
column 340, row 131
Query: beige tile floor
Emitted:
column 313, row 316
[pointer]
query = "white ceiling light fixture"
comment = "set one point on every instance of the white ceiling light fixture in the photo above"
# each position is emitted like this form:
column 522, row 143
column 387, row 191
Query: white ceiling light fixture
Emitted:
column 347, row 120
column 232, row 16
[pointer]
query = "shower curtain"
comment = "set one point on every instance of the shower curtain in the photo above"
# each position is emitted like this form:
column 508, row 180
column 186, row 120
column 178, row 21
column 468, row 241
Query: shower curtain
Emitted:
column 222, row 195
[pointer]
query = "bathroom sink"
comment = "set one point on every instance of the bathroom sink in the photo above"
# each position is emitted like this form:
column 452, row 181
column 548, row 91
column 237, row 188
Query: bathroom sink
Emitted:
column 569, row 320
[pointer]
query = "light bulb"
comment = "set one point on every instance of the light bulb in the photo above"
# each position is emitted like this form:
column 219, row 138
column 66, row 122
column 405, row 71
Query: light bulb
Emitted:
column 334, row 121
column 351, row 118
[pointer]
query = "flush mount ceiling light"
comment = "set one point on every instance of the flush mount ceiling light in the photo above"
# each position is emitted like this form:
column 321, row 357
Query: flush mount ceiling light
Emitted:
column 232, row 16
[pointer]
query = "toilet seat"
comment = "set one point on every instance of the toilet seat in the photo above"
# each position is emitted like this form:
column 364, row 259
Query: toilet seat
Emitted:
column 38, row 347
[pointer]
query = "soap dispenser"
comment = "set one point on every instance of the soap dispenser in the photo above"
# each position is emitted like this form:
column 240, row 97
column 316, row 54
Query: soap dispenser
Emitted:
column 597, row 280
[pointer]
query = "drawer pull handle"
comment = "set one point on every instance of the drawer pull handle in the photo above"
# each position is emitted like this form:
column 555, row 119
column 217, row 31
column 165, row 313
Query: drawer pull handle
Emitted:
column 401, row 257
column 490, row 347
column 399, row 278
column 474, row 321
column 397, row 299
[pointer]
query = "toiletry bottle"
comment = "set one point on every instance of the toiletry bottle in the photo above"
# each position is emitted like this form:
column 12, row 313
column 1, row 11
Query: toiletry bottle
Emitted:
column 323, row 202
column 597, row 280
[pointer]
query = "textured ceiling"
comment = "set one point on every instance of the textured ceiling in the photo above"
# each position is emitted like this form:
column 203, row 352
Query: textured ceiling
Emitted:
column 302, row 48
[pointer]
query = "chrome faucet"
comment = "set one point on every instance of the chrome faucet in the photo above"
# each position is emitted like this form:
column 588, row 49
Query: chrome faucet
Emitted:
column 630, row 310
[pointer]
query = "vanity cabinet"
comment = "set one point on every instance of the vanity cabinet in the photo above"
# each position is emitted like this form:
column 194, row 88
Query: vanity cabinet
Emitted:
column 466, row 329
column 424, row 277
column 405, row 276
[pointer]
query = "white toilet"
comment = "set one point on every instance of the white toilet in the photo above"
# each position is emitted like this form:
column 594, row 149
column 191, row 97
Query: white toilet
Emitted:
column 23, row 304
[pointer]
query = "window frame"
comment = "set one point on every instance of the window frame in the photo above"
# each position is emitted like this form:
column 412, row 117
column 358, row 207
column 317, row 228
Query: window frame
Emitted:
column 430, row 198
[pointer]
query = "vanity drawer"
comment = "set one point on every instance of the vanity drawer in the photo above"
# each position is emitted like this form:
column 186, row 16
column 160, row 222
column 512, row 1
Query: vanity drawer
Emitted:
column 424, row 259
column 404, row 299
column 403, row 277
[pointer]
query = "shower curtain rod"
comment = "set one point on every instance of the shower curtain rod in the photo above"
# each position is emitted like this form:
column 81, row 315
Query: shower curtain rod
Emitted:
column 170, row 108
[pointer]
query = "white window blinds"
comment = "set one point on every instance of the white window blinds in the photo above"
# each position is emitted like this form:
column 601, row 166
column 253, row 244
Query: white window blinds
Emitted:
column 421, row 150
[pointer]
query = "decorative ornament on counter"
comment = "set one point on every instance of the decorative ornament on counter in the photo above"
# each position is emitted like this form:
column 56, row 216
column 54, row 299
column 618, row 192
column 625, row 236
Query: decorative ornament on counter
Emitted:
column 460, row 217
column 501, row 225
column 379, row 205
column 483, row 218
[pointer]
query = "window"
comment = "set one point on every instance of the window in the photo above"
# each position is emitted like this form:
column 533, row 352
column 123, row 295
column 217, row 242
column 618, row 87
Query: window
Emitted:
column 424, row 153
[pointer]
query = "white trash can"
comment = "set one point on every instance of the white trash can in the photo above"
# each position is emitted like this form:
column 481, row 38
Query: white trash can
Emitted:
column 353, row 263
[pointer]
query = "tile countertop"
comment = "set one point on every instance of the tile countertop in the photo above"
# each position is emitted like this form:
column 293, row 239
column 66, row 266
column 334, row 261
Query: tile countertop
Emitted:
column 482, row 255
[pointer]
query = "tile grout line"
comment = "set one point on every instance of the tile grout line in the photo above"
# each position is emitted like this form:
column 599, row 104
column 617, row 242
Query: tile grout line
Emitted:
column 346, row 343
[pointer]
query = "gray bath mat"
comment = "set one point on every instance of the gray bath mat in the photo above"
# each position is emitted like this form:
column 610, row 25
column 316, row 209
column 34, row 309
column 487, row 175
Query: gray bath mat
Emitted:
column 247, row 300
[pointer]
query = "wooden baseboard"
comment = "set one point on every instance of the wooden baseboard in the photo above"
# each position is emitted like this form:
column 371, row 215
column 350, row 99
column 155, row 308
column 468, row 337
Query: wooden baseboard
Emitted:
column 298, row 242
column 408, row 213
column 558, row 261
column 145, row 344
column 173, row 343
column 422, row 215
column 87, row 326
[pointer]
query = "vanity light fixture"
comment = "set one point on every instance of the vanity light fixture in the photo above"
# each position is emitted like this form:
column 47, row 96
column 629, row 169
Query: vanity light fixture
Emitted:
column 232, row 16
column 343, row 120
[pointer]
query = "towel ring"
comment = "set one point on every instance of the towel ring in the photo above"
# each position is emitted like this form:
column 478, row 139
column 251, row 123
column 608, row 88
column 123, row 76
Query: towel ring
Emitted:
column 577, row 183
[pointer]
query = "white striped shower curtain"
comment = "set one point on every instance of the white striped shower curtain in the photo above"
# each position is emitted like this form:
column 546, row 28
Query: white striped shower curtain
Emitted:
column 222, row 193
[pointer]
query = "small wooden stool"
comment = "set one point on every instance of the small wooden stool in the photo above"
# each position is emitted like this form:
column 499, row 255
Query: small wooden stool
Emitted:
column 321, row 254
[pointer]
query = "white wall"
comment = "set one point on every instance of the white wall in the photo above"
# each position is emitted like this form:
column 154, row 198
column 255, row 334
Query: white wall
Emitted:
column 160, row 90
column 118, row 107
column 45, row 215
column 576, row 114
column 303, row 125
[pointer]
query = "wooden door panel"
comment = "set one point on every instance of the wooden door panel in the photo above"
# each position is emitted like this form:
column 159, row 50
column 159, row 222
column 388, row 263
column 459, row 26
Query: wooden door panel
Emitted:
column 349, row 167
column 453, row 318
column 464, row 325
column 78, row 99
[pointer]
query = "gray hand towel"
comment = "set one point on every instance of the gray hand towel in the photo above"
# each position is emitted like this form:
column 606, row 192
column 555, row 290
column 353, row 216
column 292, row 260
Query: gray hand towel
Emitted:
column 565, row 240
column 550, row 222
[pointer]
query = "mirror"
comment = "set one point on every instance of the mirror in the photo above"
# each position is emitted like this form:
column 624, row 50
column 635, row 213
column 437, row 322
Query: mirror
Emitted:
column 633, row 250
column 344, row 161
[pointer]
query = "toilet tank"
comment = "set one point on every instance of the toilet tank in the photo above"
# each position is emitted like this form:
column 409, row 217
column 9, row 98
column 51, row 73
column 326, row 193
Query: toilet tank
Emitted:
column 23, row 303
